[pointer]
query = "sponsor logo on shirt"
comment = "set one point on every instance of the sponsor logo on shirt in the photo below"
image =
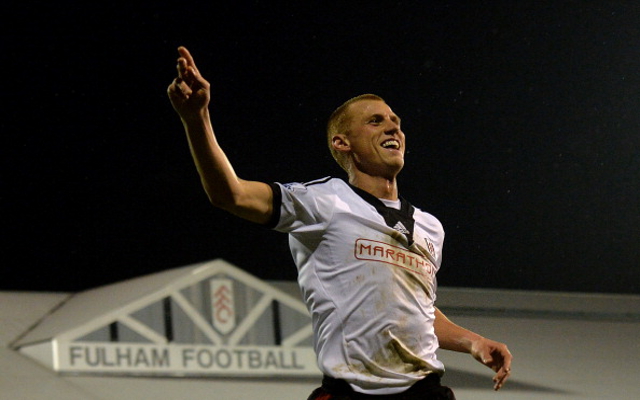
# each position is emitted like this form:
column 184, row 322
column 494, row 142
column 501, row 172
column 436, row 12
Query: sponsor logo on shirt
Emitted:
column 372, row 250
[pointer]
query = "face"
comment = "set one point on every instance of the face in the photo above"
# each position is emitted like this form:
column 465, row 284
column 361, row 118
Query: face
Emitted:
column 374, row 139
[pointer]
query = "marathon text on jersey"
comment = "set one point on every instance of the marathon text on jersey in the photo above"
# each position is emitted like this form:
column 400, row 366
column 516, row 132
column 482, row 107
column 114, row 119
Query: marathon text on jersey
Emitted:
column 372, row 250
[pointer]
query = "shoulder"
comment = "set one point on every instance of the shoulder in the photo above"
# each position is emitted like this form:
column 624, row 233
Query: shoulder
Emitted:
column 327, row 184
column 306, row 204
column 427, row 219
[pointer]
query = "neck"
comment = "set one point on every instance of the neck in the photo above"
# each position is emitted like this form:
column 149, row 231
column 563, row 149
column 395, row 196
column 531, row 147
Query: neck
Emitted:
column 380, row 187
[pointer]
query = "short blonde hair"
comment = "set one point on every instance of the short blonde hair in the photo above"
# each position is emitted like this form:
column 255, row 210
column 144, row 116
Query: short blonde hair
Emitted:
column 339, row 123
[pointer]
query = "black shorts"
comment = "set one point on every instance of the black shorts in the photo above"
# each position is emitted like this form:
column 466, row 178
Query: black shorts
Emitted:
column 428, row 388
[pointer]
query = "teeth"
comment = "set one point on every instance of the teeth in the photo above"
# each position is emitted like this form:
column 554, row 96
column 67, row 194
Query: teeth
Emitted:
column 391, row 143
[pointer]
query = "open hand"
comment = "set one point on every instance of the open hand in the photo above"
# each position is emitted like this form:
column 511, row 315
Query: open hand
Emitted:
column 496, row 356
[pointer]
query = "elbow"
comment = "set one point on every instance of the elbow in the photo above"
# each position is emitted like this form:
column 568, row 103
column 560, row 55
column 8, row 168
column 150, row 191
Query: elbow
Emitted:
column 230, row 201
column 228, row 206
column 251, row 201
column 222, row 198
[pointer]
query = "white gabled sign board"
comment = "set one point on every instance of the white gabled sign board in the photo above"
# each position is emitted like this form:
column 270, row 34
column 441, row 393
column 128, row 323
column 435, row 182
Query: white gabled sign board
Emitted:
column 215, row 319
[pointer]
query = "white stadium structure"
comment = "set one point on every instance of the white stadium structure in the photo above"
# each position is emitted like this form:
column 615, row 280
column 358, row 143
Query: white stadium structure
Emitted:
column 212, row 331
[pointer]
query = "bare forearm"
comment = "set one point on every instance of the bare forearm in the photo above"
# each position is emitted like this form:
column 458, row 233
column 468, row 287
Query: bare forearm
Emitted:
column 216, row 173
column 247, row 199
column 452, row 336
column 494, row 355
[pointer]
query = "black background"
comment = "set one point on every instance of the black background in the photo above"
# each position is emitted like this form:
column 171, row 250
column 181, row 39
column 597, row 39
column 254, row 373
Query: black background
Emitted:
column 522, row 122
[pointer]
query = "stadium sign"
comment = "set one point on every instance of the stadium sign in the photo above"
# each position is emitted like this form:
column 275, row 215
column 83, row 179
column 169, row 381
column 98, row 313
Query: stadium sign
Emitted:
column 209, row 319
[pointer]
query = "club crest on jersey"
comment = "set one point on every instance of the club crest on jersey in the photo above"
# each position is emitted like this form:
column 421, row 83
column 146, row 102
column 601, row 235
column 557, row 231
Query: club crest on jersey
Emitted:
column 426, row 246
column 430, row 247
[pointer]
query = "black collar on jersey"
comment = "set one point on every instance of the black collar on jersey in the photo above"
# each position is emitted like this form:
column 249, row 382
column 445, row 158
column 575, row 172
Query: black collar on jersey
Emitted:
column 395, row 219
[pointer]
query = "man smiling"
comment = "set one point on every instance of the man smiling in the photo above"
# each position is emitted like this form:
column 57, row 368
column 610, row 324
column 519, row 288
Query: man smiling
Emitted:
column 366, row 258
column 366, row 129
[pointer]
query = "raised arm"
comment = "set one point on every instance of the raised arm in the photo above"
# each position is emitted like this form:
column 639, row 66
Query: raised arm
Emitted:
column 493, row 354
column 190, row 95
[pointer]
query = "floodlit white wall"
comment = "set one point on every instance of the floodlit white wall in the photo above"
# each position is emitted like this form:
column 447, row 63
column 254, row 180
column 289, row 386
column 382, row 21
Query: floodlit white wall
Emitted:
column 566, row 347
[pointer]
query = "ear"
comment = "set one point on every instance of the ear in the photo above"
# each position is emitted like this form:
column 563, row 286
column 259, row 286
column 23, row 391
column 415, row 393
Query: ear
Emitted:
column 340, row 142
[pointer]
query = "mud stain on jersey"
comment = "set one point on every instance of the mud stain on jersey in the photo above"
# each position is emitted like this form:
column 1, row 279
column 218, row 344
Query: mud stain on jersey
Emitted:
column 394, row 357
column 404, row 358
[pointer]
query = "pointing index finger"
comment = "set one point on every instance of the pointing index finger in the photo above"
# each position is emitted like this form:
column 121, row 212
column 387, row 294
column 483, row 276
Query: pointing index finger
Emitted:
column 184, row 53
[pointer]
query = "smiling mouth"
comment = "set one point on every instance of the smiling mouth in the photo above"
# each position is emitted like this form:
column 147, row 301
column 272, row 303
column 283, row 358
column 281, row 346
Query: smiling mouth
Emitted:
column 391, row 144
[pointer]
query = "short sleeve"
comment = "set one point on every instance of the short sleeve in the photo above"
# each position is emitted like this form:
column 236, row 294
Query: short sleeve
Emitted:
column 303, row 207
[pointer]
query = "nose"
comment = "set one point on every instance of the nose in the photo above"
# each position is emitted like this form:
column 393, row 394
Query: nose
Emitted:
column 391, row 126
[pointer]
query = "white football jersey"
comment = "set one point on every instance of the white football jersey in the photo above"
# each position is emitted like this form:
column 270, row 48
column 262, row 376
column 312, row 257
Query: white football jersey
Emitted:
column 368, row 276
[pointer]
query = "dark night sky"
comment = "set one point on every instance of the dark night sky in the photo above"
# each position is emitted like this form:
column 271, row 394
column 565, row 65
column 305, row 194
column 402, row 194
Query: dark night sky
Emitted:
column 522, row 121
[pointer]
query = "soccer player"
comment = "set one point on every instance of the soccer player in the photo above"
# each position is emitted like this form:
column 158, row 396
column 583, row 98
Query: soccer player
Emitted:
column 366, row 257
